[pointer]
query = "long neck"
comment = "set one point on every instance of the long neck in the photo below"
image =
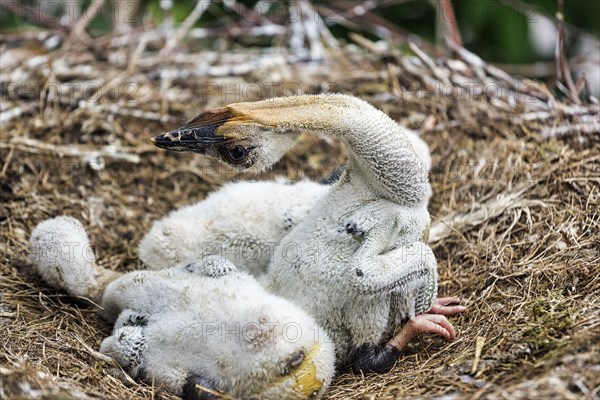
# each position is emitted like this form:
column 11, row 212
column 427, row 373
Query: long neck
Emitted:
column 380, row 152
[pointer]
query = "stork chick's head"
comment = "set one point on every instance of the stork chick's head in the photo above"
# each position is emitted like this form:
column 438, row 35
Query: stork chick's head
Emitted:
column 238, row 138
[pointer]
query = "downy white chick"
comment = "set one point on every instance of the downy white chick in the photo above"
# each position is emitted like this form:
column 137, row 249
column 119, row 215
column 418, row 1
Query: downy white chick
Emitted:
column 204, row 323
column 196, row 326
column 358, row 262
column 242, row 221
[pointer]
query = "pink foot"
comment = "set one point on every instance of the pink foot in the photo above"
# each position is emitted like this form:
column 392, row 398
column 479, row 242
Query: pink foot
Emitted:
column 447, row 306
column 434, row 321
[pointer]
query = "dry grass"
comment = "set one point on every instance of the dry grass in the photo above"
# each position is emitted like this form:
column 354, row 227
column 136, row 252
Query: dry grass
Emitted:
column 530, row 276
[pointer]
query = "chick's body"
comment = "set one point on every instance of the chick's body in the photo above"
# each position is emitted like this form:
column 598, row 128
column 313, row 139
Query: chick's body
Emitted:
column 198, row 324
column 369, row 255
column 242, row 222
column 205, row 322
column 358, row 262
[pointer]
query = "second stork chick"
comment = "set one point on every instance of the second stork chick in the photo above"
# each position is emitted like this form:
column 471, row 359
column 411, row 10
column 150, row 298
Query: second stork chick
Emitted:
column 202, row 329
column 359, row 262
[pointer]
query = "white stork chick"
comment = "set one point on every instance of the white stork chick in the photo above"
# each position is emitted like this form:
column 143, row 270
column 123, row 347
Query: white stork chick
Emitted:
column 205, row 325
column 242, row 222
column 358, row 262
column 199, row 324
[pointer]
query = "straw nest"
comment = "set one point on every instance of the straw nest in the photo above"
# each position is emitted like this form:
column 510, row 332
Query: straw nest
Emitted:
column 516, row 181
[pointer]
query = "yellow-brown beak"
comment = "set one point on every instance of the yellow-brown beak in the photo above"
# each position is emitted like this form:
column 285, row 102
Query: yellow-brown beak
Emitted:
column 306, row 381
column 303, row 380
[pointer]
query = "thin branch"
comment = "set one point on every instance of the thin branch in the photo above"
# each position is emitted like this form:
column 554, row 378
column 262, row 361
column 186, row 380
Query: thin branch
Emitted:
column 32, row 15
column 311, row 30
column 87, row 155
column 184, row 28
column 438, row 72
column 562, row 64
column 15, row 38
column 450, row 23
column 481, row 67
column 127, row 112
column 378, row 26
column 326, row 33
column 480, row 213
column 589, row 128
column 261, row 30
column 363, row 6
column 78, row 28
column 531, row 12
column 297, row 34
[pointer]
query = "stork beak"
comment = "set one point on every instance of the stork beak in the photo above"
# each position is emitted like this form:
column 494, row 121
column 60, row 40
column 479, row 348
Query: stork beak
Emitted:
column 198, row 135
column 196, row 139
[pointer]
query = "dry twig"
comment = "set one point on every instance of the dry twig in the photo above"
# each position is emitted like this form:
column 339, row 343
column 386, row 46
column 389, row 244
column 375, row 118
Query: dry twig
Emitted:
column 562, row 64
column 87, row 155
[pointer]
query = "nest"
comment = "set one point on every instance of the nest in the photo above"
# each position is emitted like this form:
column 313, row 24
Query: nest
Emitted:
column 516, row 183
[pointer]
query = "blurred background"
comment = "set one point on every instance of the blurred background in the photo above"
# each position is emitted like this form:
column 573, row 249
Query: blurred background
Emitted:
column 518, row 35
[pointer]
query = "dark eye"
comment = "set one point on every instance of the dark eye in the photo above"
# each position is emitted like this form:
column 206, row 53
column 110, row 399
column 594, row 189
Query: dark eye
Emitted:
column 237, row 153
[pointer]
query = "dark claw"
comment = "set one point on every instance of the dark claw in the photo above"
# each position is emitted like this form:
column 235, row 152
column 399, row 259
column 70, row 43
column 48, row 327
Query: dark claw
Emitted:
column 374, row 358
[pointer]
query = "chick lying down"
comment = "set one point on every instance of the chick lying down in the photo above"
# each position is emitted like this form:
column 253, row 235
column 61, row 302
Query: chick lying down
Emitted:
column 199, row 328
column 206, row 324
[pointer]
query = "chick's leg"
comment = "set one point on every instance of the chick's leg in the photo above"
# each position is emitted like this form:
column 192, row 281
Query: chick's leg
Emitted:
column 434, row 321
column 381, row 358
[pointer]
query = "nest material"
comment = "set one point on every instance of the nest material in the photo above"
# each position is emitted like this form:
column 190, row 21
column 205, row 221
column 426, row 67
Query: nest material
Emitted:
column 516, row 182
